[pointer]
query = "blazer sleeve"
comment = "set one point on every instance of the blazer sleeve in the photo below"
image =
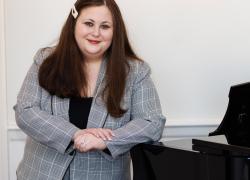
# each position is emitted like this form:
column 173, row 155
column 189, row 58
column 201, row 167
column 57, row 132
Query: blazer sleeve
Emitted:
column 147, row 122
column 42, row 126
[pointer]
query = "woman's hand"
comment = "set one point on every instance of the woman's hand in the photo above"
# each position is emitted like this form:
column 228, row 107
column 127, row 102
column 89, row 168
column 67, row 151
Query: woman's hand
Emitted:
column 91, row 139
column 104, row 134
column 87, row 142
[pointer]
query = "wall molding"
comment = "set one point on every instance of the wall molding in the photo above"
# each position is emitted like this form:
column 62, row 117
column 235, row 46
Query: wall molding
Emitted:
column 3, row 100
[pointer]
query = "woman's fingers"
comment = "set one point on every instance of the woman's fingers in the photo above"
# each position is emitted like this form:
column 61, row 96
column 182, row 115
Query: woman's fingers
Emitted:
column 86, row 143
column 105, row 134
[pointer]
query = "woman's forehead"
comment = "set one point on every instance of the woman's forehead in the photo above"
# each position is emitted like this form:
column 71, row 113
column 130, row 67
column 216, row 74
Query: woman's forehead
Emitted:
column 96, row 13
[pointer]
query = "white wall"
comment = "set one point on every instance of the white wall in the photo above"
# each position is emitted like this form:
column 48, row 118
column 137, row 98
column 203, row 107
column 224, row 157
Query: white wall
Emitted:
column 3, row 107
column 197, row 49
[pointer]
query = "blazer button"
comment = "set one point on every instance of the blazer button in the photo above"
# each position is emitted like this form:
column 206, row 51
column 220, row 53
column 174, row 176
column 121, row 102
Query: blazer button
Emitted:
column 71, row 153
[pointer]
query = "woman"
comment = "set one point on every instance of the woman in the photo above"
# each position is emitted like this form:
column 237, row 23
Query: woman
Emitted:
column 86, row 102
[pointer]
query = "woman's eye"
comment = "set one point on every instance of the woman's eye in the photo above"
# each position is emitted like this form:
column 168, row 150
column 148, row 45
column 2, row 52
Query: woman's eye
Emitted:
column 105, row 27
column 90, row 24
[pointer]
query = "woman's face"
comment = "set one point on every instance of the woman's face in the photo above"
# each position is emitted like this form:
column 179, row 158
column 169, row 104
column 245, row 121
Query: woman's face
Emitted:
column 94, row 31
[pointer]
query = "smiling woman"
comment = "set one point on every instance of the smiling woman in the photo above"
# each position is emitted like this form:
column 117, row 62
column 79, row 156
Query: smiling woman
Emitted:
column 196, row 49
column 94, row 32
column 87, row 101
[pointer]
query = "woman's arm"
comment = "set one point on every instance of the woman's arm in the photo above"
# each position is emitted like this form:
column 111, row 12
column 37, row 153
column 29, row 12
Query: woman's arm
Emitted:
column 50, row 130
column 147, row 122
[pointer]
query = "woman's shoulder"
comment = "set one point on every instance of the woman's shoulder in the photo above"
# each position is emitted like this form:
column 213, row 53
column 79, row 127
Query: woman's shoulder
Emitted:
column 42, row 54
column 138, row 66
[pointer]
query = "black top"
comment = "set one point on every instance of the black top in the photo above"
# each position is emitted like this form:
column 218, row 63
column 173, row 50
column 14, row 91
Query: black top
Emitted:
column 79, row 109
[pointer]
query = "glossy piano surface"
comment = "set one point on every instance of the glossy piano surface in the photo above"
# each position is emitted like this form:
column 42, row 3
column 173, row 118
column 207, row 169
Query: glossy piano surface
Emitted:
column 221, row 143
column 181, row 159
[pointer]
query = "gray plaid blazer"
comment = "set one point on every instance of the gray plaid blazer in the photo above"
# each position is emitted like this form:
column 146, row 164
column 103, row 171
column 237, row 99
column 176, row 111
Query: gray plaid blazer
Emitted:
column 44, row 118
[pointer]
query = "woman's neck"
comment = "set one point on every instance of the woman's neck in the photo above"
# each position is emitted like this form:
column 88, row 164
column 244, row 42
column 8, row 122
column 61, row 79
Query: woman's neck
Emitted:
column 91, row 68
column 92, row 59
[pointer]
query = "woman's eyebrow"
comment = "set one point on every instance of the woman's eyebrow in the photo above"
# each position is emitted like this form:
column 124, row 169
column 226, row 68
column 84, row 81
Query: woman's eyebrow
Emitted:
column 103, row 22
column 89, row 20
column 106, row 22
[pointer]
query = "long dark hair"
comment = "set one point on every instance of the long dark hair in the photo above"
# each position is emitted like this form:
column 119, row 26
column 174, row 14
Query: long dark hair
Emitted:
column 62, row 74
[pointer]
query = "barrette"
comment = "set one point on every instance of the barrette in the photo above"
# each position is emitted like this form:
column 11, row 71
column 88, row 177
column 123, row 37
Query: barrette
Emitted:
column 74, row 11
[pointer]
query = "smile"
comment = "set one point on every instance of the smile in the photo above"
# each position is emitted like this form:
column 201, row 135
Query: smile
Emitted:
column 93, row 41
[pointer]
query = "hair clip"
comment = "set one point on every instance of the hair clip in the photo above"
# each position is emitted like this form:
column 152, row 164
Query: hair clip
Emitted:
column 74, row 12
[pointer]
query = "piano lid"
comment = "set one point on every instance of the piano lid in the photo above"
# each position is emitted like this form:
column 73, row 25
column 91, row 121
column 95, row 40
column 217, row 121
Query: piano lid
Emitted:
column 236, row 122
column 219, row 145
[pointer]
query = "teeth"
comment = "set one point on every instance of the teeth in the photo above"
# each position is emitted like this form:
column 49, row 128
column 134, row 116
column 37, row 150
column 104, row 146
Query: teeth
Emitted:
column 94, row 41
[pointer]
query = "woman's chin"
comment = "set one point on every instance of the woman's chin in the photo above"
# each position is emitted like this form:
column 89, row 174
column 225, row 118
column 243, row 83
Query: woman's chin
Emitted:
column 94, row 53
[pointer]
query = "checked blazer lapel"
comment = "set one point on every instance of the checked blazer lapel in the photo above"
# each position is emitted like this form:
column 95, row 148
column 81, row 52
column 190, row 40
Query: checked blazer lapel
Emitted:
column 98, row 112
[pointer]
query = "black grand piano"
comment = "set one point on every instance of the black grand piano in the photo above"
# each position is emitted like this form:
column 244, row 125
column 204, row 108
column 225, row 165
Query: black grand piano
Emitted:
column 223, row 155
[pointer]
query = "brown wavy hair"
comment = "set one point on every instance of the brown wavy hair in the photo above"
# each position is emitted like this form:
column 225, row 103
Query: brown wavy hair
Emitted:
column 61, row 73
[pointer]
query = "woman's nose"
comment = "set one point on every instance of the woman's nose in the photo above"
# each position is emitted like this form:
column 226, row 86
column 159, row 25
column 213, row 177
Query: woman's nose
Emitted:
column 96, row 31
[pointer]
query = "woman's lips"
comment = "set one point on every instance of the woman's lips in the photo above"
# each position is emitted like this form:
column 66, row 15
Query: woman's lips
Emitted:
column 93, row 41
